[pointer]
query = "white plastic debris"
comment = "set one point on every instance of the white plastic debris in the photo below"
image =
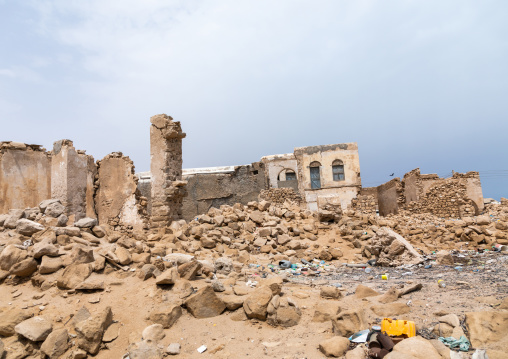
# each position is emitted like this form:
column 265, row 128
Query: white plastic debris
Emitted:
column 202, row 349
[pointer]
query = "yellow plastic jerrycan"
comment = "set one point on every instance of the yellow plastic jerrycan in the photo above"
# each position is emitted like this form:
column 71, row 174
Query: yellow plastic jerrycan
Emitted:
column 398, row 327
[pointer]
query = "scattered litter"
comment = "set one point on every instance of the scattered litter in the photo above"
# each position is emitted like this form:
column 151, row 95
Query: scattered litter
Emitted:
column 463, row 344
column 202, row 349
column 360, row 337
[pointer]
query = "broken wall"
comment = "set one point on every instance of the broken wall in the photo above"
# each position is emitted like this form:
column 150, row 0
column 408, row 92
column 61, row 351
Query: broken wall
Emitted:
column 117, row 201
column 206, row 190
column 25, row 175
column 389, row 196
column 455, row 197
column 72, row 179
column 167, row 189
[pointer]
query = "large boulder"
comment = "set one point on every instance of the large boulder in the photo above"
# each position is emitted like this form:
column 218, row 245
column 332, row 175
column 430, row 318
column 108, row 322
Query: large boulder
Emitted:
column 256, row 303
column 27, row 227
column 35, row 329
column 54, row 209
column 10, row 318
column 334, row 347
column 56, row 343
column 349, row 322
column 417, row 347
column 167, row 316
column 44, row 249
column 25, row 268
column 50, row 264
column 86, row 223
column 74, row 275
column 189, row 270
column 205, row 303
column 13, row 216
column 10, row 256
column 90, row 331
column 169, row 276
column 486, row 327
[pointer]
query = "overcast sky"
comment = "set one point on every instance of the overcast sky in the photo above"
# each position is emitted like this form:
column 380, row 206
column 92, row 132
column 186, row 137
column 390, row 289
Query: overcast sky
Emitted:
column 415, row 83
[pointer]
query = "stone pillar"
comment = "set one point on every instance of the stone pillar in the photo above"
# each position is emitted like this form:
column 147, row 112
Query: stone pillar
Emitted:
column 168, row 189
column 72, row 179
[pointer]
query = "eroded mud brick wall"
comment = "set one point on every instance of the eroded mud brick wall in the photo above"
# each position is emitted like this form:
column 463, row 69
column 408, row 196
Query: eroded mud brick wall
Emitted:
column 390, row 195
column 167, row 189
column 117, row 201
column 72, row 179
column 206, row 190
column 25, row 175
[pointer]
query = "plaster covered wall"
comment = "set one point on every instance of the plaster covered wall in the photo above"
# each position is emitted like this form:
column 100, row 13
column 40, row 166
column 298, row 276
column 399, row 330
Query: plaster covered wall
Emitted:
column 72, row 174
column 117, row 199
column 275, row 164
column 25, row 176
column 325, row 155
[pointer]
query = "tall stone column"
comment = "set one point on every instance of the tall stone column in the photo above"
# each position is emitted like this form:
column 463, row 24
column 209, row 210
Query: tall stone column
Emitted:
column 168, row 189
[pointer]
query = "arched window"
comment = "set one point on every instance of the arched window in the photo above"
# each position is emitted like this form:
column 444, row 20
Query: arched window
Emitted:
column 286, row 175
column 338, row 170
column 315, row 177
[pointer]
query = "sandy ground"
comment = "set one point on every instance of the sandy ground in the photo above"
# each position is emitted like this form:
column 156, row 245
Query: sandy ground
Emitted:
column 480, row 285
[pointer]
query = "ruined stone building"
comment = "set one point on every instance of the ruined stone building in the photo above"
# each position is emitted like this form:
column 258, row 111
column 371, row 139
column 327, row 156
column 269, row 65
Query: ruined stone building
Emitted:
column 317, row 177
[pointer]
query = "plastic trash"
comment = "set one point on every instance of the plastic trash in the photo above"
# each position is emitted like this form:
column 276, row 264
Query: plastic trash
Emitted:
column 360, row 337
column 368, row 270
column 384, row 276
column 202, row 349
column 463, row 344
column 372, row 262
column 304, row 261
column 441, row 283
column 285, row 264
column 398, row 327
column 428, row 266
column 459, row 268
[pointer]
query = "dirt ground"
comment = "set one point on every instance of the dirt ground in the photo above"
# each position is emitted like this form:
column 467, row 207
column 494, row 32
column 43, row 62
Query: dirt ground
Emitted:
column 479, row 285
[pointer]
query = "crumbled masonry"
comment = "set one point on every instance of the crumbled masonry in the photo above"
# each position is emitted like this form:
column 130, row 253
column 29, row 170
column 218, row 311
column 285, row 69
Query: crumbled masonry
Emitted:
column 98, row 262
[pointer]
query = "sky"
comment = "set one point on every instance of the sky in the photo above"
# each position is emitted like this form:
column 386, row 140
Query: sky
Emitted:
column 414, row 83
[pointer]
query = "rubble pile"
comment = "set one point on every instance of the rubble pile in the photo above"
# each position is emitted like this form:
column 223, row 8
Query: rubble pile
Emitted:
column 207, row 268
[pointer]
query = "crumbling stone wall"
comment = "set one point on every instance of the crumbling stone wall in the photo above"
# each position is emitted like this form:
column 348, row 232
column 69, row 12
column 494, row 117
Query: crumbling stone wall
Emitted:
column 25, row 175
column 72, row 179
column 118, row 202
column 446, row 199
column 455, row 197
column 207, row 190
column 168, row 189
column 281, row 195
column 364, row 204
